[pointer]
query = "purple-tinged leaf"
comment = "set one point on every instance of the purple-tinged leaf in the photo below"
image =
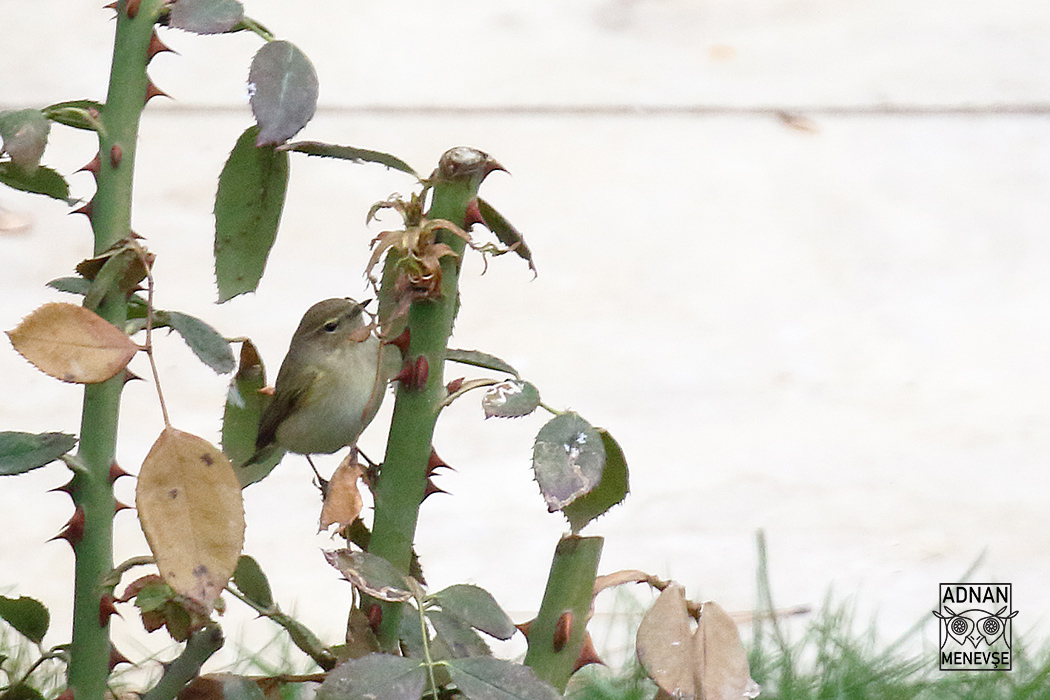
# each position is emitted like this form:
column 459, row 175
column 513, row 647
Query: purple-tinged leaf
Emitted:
column 567, row 458
column 513, row 398
column 375, row 677
column 24, row 133
column 206, row 16
column 282, row 86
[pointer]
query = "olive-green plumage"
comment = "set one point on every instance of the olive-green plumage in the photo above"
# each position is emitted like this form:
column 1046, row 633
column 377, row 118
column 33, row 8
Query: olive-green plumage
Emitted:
column 330, row 384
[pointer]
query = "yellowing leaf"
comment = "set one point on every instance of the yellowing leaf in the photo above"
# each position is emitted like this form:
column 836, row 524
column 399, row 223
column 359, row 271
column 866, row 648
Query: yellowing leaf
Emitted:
column 721, row 670
column 72, row 343
column 665, row 644
column 189, row 504
column 343, row 502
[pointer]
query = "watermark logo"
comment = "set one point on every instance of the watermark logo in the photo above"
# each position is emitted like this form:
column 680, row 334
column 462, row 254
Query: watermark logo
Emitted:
column 975, row 626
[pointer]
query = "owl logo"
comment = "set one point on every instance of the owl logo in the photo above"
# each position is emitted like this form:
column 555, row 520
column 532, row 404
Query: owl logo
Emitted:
column 975, row 626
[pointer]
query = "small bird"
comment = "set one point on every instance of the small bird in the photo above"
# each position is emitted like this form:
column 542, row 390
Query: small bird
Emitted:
column 329, row 387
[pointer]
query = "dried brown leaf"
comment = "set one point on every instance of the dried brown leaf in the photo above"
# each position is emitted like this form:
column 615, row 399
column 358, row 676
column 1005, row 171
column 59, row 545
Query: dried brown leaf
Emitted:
column 189, row 504
column 72, row 343
column 721, row 670
column 343, row 502
column 665, row 644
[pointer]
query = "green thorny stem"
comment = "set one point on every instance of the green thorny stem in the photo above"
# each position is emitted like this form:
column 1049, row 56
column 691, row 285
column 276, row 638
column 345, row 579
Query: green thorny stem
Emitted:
column 403, row 477
column 556, row 636
column 92, row 489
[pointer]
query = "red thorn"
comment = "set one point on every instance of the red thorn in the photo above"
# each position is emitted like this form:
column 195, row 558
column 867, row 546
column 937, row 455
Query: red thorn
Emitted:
column 523, row 627
column 115, row 472
column 116, row 658
column 156, row 46
column 422, row 371
column 434, row 463
column 67, row 694
column 562, row 631
column 66, row 488
column 473, row 215
column 130, row 376
column 111, row 6
column 86, row 210
column 375, row 616
column 431, row 489
column 401, row 342
column 153, row 91
column 588, row 654
column 118, row 506
column 106, row 608
column 413, row 375
column 132, row 8
column 94, row 166
column 73, row 532
column 455, row 385
column 115, row 155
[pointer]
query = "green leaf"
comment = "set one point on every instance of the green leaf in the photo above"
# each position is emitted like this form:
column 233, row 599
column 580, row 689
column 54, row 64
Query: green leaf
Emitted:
column 480, row 359
column 455, row 638
column 23, row 452
column 567, row 459
column 206, row 343
column 248, row 208
column 251, row 581
column 72, row 285
column 375, row 677
column 29, row 617
column 283, row 87
column 486, row 678
column 24, row 133
column 21, row 692
column 240, row 420
column 513, row 398
column 610, row 491
column 44, row 181
column 370, row 574
column 355, row 155
column 79, row 114
column 206, row 16
column 505, row 232
column 475, row 606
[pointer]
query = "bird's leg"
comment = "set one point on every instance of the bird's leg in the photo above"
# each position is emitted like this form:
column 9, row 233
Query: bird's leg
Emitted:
column 322, row 483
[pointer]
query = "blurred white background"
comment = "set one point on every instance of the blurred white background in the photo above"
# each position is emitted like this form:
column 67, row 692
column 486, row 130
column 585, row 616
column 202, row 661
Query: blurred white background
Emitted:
column 793, row 254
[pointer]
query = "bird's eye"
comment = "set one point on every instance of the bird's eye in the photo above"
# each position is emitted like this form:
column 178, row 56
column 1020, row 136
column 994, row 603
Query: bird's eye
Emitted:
column 332, row 325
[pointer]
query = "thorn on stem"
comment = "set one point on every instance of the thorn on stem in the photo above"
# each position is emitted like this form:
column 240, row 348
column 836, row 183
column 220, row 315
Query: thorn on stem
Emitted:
column 434, row 463
column 375, row 617
column 156, row 46
column 153, row 91
column 115, row 472
column 115, row 155
column 66, row 488
column 562, row 631
column 106, row 609
column 132, row 8
column 413, row 375
column 401, row 342
column 116, row 658
column 94, row 166
column 118, row 506
column 87, row 210
column 73, row 532
column 473, row 215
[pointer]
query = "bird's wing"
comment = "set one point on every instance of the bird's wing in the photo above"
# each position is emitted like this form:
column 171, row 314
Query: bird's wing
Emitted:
column 284, row 402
